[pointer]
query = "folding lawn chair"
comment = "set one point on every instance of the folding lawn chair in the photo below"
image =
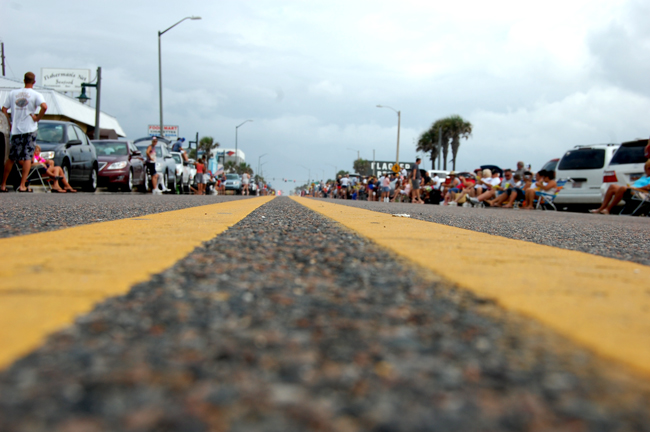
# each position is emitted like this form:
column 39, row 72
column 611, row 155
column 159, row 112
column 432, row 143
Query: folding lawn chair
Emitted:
column 34, row 173
column 640, row 201
column 547, row 198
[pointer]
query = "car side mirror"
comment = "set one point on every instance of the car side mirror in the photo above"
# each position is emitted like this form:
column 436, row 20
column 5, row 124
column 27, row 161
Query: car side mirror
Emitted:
column 168, row 157
column 72, row 143
column 137, row 153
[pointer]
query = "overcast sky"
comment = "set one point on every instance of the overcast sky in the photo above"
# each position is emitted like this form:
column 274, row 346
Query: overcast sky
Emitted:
column 534, row 79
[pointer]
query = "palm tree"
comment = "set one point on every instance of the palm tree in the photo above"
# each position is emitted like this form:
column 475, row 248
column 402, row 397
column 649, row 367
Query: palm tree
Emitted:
column 453, row 128
column 206, row 145
column 230, row 166
column 428, row 143
column 243, row 167
column 458, row 128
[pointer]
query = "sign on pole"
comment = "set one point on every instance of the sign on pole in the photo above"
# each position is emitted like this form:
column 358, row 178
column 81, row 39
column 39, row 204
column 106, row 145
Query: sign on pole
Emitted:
column 171, row 132
column 64, row 80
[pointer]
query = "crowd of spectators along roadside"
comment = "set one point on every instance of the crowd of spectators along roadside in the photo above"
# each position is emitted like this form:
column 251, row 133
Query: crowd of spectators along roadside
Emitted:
column 510, row 189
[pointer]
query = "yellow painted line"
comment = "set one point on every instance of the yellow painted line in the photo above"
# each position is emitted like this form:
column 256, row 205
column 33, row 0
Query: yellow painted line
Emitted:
column 601, row 303
column 48, row 279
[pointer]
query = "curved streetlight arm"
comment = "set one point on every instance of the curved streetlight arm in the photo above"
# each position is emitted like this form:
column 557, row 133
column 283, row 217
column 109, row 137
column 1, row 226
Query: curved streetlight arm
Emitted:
column 236, row 141
column 386, row 106
column 243, row 123
column 160, row 33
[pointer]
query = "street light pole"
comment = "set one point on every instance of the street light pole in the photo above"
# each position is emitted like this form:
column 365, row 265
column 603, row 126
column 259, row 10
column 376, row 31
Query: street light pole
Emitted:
column 160, row 33
column 399, row 119
column 258, row 162
column 236, row 148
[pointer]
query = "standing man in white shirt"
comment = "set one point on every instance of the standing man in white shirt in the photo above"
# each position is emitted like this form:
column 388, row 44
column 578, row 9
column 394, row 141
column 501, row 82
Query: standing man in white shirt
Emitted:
column 24, row 128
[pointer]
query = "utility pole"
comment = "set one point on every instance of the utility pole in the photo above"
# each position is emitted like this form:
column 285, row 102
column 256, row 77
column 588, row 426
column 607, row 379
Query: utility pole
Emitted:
column 2, row 54
column 374, row 164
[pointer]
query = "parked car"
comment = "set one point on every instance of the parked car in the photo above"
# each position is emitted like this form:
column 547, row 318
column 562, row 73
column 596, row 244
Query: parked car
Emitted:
column 585, row 166
column 121, row 165
column 233, row 183
column 165, row 164
column 69, row 147
column 626, row 165
column 442, row 174
column 180, row 167
column 551, row 165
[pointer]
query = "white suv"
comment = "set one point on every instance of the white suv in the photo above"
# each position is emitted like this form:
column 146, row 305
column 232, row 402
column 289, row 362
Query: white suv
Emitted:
column 584, row 165
column 626, row 166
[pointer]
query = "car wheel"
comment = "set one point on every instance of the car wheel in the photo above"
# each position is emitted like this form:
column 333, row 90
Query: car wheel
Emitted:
column 128, row 185
column 91, row 184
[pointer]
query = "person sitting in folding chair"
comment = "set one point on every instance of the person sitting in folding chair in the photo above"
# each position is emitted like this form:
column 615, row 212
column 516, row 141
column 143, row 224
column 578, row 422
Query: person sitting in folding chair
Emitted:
column 615, row 193
column 547, row 186
column 54, row 173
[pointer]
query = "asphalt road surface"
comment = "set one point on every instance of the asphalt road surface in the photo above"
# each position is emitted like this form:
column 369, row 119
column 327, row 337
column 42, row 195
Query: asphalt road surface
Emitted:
column 289, row 322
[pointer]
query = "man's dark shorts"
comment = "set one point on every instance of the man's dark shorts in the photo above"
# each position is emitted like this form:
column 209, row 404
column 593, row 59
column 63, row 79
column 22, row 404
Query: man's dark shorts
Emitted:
column 151, row 168
column 520, row 193
column 22, row 147
column 415, row 184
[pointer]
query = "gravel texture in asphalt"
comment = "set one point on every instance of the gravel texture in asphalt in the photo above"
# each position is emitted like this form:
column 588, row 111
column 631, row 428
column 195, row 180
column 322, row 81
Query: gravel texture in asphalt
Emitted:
column 288, row 322
column 622, row 237
column 31, row 213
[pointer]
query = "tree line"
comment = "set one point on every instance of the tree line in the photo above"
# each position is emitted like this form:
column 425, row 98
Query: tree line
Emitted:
column 443, row 134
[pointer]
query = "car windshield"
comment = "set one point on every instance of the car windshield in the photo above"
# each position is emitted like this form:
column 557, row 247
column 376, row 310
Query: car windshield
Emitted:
column 232, row 176
column 583, row 159
column 110, row 148
column 177, row 158
column 550, row 165
column 50, row 133
column 629, row 154
column 143, row 149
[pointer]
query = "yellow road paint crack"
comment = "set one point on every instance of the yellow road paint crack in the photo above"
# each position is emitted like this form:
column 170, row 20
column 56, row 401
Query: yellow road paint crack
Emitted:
column 601, row 303
column 48, row 279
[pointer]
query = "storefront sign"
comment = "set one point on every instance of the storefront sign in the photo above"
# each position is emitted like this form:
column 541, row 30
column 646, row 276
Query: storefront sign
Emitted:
column 64, row 80
column 170, row 131
column 386, row 167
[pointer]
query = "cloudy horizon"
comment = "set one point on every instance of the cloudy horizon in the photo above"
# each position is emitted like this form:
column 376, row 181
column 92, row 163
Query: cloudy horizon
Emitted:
column 533, row 79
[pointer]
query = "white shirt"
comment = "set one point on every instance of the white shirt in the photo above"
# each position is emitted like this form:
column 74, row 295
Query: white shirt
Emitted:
column 492, row 181
column 345, row 181
column 23, row 102
column 436, row 182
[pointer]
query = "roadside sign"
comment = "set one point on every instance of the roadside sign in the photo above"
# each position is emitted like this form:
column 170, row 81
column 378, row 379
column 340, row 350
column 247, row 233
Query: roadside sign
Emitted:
column 396, row 168
column 171, row 132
